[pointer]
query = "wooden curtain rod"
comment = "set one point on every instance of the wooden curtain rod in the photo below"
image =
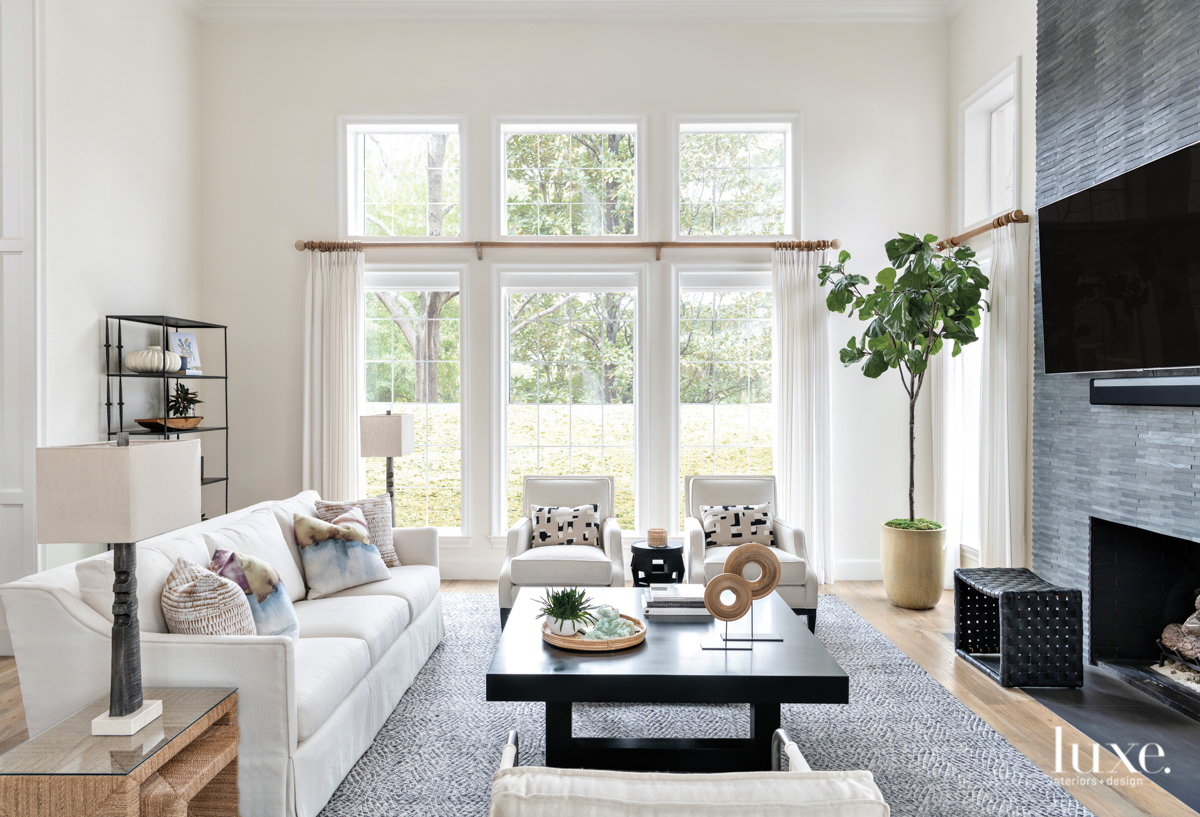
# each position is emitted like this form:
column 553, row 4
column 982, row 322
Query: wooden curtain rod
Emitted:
column 1015, row 217
column 657, row 246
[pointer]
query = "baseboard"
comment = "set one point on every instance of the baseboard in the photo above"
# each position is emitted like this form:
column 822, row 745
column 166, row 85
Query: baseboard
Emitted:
column 857, row 570
column 471, row 569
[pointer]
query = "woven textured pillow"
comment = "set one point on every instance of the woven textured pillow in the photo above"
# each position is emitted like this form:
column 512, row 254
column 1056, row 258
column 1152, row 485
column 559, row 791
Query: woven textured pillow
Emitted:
column 270, row 604
column 737, row 524
column 377, row 511
column 566, row 526
column 338, row 554
column 197, row 601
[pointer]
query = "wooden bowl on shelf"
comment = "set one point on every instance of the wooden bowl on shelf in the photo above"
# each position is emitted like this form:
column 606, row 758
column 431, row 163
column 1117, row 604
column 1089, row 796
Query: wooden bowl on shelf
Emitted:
column 173, row 423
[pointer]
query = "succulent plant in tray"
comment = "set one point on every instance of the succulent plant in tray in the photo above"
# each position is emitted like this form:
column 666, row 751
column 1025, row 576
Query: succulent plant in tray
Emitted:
column 567, row 610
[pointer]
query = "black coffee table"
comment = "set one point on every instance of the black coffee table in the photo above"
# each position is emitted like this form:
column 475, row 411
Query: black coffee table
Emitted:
column 668, row 667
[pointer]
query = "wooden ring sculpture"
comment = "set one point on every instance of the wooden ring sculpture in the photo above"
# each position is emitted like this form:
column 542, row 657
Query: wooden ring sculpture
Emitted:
column 767, row 561
column 741, row 601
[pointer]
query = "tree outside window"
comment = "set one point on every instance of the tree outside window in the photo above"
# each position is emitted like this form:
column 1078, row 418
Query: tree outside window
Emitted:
column 409, row 183
column 732, row 183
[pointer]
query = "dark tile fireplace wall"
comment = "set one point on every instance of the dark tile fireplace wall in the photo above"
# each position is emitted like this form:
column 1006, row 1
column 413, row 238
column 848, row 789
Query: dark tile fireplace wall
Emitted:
column 1141, row 582
column 1118, row 85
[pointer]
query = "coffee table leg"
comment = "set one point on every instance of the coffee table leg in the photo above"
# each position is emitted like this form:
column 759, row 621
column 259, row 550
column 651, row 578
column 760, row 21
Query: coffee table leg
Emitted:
column 559, row 745
column 764, row 720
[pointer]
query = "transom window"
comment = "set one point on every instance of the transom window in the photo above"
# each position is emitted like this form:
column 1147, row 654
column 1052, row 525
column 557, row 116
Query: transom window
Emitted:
column 726, row 412
column 404, row 179
column 570, row 368
column 570, row 180
column 988, row 133
column 413, row 367
column 734, row 179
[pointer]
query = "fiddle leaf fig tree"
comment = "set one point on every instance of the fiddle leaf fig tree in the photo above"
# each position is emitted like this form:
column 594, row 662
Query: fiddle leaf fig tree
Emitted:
column 924, row 301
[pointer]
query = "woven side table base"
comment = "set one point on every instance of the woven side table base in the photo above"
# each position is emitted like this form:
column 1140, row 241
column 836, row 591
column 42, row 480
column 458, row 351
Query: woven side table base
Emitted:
column 1036, row 628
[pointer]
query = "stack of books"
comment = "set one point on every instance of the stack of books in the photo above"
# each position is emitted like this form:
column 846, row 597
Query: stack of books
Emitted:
column 678, row 602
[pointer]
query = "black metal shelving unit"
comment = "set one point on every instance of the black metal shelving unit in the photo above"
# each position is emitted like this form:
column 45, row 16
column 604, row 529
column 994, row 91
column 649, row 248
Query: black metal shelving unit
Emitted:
column 113, row 371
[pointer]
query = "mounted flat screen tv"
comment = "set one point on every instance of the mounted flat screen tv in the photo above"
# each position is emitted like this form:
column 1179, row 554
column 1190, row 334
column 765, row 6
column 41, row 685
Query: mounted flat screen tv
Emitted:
column 1121, row 271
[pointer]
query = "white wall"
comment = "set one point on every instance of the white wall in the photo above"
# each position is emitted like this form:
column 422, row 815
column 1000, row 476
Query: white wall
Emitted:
column 122, row 195
column 875, row 133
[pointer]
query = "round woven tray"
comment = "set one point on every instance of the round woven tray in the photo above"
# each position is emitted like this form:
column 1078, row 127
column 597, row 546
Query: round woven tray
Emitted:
column 577, row 642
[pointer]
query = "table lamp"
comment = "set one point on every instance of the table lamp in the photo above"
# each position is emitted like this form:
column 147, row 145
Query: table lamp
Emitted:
column 120, row 493
column 387, row 435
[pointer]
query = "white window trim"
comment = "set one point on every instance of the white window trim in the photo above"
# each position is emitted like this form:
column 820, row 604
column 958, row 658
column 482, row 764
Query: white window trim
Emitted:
column 981, row 104
column 789, row 124
column 346, row 161
column 713, row 277
column 584, row 273
column 432, row 276
column 563, row 124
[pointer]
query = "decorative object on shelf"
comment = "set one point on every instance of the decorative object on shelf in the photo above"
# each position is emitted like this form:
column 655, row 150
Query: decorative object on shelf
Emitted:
column 184, row 345
column 150, row 361
column 120, row 493
column 387, row 435
column 903, row 334
column 566, row 611
column 657, row 537
column 744, row 592
column 172, row 424
column 613, row 631
column 183, row 402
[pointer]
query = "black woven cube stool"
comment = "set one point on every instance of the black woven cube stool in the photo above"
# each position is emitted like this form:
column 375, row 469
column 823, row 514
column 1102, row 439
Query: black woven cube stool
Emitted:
column 1034, row 626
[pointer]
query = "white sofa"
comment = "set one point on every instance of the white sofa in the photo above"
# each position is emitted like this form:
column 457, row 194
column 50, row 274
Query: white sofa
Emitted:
column 307, row 709
column 534, row 791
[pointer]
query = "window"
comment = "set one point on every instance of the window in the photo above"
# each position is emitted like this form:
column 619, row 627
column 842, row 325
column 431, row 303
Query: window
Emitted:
column 569, row 180
column 734, row 179
column 403, row 178
column 413, row 343
column 571, row 369
column 988, row 133
column 726, row 415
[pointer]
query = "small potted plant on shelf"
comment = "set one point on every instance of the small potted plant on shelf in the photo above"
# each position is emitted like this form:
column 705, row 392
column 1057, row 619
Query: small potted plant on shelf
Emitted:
column 929, row 298
column 567, row 611
column 181, row 409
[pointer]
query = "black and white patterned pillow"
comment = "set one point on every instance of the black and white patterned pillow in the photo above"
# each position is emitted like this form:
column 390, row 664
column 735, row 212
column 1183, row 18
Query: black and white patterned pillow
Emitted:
column 737, row 524
column 566, row 526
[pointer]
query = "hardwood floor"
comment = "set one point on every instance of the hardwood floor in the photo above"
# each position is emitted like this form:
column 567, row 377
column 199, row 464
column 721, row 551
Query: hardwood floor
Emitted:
column 1024, row 722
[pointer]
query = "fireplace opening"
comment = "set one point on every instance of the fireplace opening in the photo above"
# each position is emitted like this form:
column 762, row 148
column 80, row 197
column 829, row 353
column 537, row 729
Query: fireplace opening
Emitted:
column 1141, row 583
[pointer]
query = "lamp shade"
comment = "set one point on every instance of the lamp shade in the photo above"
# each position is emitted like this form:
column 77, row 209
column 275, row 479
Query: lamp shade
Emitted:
column 108, row 493
column 386, row 435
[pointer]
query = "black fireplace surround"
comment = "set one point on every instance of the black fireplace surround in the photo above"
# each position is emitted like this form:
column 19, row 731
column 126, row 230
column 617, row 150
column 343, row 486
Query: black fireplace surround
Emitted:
column 1141, row 581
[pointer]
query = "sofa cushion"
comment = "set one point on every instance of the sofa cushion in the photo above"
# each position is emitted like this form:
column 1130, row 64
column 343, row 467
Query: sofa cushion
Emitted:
column 326, row 670
column 377, row 511
column 792, row 570
column 95, row 577
column 188, row 546
column 269, row 602
column 259, row 535
column 338, row 554
column 377, row 620
column 737, row 524
column 562, row 564
column 532, row 791
column 416, row 584
column 197, row 601
column 554, row 525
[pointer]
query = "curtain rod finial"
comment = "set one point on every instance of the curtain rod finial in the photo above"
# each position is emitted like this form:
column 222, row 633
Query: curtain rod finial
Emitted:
column 300, row 245
column 836, row 243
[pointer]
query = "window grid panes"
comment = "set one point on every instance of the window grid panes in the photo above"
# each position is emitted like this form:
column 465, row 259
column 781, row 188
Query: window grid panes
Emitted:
column 732, row 183
column 412, row 366
column 409, row 184
column 1002, row 141
column 726, row 411
column 570, row 406
column 570, row 184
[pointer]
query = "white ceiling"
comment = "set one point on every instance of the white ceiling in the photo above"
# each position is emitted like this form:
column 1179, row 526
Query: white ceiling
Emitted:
column 607, row 10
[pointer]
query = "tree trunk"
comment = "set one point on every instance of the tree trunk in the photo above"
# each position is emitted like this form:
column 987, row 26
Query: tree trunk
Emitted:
column 912, row 454
column 434, row 174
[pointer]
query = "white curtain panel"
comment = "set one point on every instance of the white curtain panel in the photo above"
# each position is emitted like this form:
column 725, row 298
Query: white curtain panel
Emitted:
column 949, row 457
column 333, row 375
column 1005, row 401
column 803, row 462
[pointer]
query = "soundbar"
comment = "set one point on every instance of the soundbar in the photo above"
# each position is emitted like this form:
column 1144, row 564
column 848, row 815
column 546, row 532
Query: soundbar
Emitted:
column 1179, row 390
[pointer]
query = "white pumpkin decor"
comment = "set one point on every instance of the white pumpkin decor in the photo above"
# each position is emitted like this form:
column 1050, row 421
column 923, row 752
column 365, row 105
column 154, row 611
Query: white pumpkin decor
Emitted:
column 150, row 361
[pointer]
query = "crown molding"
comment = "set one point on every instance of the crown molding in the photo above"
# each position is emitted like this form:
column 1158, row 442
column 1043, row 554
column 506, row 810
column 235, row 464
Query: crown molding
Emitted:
column 829, row 11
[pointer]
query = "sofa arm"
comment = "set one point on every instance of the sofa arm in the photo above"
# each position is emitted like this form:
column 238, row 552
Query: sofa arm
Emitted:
column 614, row 546
column 520, row 538
column 789, row 539
column 416, row 546
column 693, row 540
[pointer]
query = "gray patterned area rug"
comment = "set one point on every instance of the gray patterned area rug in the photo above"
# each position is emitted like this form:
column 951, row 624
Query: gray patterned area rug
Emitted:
column 931, row 756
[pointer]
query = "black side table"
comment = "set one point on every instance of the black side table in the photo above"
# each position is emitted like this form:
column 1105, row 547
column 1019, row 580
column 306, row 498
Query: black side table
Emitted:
column 656, row 565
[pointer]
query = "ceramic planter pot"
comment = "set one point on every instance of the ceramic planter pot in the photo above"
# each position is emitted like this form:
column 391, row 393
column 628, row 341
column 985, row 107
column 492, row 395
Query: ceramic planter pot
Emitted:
column 913, row 564
column 560, row 627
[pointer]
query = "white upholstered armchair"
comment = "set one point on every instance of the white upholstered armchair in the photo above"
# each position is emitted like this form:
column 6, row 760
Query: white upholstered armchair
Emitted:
column 797, row 579
column 562, row 565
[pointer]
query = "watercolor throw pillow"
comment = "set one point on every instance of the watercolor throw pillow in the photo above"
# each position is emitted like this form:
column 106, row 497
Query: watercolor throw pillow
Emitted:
column 269, row 601
column 338, row 554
